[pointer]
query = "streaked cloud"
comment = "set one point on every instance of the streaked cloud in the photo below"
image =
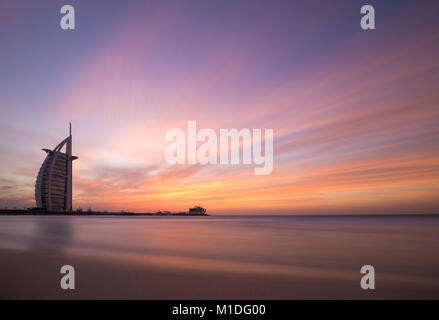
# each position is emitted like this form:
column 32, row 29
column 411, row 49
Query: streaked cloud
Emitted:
column 354, row 113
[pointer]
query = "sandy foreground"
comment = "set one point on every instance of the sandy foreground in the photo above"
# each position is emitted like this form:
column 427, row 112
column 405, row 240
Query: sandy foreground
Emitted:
column 36, row 275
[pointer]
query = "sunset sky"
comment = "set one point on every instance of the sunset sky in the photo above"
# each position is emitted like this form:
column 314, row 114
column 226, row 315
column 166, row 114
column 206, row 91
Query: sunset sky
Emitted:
column 354, row 113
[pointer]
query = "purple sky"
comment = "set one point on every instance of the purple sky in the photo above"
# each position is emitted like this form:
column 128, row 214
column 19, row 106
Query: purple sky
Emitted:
column 354, row 112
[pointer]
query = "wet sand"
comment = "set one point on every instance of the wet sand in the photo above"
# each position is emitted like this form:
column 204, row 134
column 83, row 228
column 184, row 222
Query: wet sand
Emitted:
column 36, row 276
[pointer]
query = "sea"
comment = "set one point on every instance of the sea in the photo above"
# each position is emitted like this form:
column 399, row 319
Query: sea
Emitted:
column 220, row 257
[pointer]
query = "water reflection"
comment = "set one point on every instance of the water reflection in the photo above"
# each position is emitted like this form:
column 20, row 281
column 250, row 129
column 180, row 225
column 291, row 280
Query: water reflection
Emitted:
column 36, row 233
column 401, row 248
column 53, row 234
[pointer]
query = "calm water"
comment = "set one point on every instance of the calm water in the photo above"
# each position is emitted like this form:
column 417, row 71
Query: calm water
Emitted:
column 403, row 250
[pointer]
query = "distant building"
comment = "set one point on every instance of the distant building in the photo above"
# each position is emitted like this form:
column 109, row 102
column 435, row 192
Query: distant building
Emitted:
column 53, row 188
column 197, row 210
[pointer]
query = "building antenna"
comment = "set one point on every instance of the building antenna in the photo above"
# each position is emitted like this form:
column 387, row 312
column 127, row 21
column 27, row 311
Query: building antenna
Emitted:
column 70, row 129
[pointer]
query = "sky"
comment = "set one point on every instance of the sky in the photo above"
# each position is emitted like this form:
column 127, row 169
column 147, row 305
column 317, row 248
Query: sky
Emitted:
column 354, row 112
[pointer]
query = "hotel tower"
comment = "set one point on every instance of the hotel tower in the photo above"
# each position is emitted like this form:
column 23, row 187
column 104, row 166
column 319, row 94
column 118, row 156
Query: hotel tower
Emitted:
column 53, row 188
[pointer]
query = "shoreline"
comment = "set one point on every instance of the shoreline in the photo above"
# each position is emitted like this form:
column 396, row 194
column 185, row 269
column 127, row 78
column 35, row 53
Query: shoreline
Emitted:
column 21, row 212
column 30, row 212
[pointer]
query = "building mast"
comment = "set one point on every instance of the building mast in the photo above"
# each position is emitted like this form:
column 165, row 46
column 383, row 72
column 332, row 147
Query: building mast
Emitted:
column 69, row 170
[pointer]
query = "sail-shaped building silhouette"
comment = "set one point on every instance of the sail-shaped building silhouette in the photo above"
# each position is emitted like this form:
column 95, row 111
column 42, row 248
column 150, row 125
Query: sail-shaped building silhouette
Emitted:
column 53, row 188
